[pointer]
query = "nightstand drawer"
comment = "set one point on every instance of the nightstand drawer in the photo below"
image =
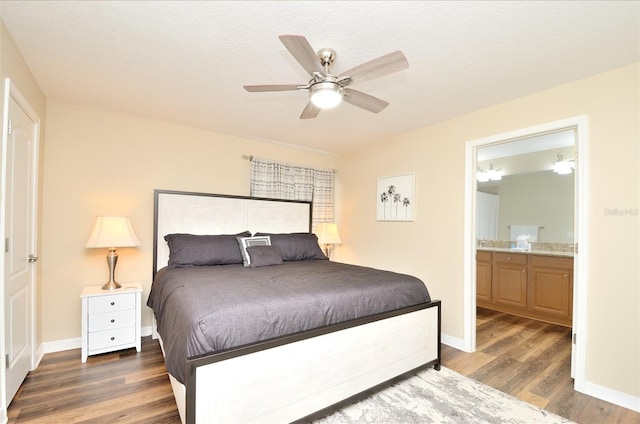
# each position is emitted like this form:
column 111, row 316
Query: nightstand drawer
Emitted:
column 114, row 302
column 111, row 338
column 109, row 320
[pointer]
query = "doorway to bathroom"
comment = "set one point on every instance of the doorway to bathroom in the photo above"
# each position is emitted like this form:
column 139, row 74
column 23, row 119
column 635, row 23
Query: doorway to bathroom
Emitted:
column 560, row 141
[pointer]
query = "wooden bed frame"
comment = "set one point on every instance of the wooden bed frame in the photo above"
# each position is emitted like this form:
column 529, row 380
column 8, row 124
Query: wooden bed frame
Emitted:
column 298, row 377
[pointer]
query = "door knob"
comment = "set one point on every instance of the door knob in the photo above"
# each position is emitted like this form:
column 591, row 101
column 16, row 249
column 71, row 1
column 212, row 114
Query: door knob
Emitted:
column 32, row 259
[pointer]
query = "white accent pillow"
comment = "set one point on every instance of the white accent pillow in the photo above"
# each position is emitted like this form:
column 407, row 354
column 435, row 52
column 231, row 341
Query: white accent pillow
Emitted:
column 245, row 242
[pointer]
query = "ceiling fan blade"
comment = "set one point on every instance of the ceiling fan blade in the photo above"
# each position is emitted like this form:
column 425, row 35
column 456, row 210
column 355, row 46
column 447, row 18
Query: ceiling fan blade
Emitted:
column 376, row 68
column 271, row 87
column 302, row 51
column 311, row 111
column 364, row 101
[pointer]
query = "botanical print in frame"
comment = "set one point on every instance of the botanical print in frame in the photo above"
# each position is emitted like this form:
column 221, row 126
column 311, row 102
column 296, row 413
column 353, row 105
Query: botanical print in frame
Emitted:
column 395, row 198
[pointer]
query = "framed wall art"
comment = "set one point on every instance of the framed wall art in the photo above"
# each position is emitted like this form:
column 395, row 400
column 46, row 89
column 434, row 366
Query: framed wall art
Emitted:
column 395, row 198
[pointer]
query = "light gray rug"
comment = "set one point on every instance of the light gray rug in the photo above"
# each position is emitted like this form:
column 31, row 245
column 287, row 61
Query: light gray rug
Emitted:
column 441, row 397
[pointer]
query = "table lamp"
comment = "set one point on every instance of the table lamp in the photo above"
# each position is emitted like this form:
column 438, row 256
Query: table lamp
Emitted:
column 112, row 232
column 327, row 233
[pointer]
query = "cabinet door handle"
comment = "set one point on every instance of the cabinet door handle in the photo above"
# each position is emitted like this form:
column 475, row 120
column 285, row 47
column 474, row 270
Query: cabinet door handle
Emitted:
column 113, row 303
column 508, row 258
column 113, row 338
column 113, row 320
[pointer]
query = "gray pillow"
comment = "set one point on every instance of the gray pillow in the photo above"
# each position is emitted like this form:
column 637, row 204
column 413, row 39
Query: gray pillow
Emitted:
column 198, row 250
column 264, row 256
column 296, row 246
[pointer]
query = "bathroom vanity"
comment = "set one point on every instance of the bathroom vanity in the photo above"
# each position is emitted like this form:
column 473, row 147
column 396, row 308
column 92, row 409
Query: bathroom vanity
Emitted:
column 537, row 285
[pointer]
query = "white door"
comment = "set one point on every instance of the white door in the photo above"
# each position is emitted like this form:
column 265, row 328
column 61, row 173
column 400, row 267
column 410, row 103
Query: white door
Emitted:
column 19, row 244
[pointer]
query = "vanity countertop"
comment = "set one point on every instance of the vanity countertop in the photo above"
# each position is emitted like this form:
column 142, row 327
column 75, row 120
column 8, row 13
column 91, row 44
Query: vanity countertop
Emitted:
column 532, row 252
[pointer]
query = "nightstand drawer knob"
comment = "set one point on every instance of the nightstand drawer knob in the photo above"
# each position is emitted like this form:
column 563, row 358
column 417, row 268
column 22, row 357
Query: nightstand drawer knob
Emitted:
column 113, row 303
column 113, row 320
column 113, row 338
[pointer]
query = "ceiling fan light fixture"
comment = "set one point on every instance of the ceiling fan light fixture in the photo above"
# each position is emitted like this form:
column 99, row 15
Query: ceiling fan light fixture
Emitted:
column 326, row 95
column 326, row 90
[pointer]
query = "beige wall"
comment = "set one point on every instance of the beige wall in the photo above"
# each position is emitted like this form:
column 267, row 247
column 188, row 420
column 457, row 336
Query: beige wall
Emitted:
column 13, row 66
column 101, row 163
column 432, row 246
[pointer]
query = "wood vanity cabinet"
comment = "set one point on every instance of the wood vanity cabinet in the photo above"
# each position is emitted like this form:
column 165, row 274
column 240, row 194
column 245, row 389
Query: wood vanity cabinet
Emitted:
column 509, row 279
column 551, row 288
column 483, row 277
column 529, row 285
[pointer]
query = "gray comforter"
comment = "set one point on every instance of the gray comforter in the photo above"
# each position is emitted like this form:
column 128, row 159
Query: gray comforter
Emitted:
column 207, row 309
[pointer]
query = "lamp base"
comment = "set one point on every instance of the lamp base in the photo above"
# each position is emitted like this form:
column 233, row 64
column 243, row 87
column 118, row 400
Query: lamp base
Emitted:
column 112, row 260
column 111, row 285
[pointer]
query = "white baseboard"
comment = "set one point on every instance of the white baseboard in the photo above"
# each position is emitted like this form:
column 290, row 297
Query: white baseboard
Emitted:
column 613, row 396
column 60, row 345
column 38, row 356
column 75, row 343
column 146, row 331
column 452, row 341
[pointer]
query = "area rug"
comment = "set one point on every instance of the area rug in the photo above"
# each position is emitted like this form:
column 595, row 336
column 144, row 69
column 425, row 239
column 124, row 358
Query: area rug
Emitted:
column 441, row 397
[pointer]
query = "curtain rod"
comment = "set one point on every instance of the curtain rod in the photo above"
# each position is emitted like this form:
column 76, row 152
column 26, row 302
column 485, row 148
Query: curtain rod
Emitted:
column 250, row 158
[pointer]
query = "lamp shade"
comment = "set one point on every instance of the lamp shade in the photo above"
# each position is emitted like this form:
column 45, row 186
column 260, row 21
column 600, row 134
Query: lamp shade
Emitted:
column 112, row 231
column 327, row 233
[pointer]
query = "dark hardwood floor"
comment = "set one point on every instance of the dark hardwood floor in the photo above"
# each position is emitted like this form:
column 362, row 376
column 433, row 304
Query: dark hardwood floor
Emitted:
column 531, row 360
column 118, row 387
column 527, row 359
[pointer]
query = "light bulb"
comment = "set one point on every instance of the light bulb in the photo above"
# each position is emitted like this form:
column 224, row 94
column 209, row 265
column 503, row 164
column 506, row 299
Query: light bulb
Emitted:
column 326, row 95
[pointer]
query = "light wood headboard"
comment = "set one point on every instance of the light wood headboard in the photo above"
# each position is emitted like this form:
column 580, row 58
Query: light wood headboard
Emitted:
column 204, row 213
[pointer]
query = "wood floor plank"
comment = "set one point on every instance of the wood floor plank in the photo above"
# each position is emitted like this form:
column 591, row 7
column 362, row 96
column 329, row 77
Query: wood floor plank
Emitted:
column 463, row 363
column 533, row 399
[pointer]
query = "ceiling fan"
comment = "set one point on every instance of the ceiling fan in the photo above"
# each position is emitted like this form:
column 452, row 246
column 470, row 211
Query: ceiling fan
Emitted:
column 327, row 90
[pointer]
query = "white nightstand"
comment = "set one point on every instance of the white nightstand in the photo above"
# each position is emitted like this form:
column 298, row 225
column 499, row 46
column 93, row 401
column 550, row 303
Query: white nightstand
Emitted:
column 111, row 319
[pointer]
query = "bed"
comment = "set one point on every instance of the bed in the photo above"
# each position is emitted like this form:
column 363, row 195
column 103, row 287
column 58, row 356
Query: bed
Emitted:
column 275, row 337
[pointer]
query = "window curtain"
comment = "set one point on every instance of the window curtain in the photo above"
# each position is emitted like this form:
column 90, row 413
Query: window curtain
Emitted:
column 276, row 180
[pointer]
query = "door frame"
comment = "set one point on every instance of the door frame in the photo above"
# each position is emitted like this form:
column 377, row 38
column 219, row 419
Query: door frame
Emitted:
column 11, row 91
column 580, row 125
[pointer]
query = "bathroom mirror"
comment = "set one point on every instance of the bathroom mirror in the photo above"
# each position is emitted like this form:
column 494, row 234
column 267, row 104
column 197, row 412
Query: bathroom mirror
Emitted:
column 520, row 193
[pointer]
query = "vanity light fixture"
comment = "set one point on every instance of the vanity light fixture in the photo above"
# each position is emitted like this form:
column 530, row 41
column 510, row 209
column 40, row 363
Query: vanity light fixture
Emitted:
column 562, row 167
column 490, row 174
column 494, row 174
column 483, row 176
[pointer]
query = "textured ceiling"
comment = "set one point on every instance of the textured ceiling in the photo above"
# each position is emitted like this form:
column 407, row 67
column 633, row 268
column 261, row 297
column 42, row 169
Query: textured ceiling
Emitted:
column 186, row 62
